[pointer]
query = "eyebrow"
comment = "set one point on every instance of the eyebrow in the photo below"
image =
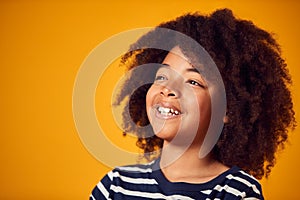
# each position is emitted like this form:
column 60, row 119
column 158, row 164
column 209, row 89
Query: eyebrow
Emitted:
column 193, row 70
column 188, row 70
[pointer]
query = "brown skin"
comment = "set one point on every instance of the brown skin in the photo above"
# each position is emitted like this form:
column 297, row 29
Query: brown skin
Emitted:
column 259, row 104
column 177, row 86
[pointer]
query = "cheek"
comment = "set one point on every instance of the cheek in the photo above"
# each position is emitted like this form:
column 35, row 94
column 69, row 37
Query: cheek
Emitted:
column 199, row 103
column 205, row 107
column 149, row 98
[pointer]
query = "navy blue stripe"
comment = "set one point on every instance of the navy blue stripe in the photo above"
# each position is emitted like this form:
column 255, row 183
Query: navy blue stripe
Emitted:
column 97, row 194
column 168, row 188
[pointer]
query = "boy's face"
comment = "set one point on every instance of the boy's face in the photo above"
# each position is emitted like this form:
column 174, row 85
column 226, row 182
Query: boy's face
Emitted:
column 178, row 103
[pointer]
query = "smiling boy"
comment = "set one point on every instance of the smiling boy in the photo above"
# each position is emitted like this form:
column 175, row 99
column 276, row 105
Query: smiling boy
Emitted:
column 178, row 105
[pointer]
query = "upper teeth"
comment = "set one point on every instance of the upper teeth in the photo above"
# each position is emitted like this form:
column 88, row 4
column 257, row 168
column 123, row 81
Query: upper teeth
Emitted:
column 167, row 111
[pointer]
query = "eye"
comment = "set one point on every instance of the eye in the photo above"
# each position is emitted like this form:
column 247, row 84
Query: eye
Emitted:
column 160, row 78
column 195, row 83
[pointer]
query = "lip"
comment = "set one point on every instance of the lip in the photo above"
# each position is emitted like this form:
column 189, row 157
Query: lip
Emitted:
column 166, row 105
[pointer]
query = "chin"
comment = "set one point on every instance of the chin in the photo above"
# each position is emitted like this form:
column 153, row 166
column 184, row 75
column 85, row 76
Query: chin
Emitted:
column 167, row 136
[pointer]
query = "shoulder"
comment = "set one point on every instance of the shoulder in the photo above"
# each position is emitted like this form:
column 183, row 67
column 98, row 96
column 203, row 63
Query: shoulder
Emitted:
column 128, row 174
column 239, row 183
column 122, row 180
column 136, row 168
column 132, row 170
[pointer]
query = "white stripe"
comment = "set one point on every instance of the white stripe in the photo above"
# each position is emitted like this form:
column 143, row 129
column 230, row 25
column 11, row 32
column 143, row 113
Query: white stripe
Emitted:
column 92, row 197
column 206, row 192
column 134, row 180
column 110, row 175
column 147, row 194
column 250, row 198
column 245, row 182
column 214, row 199
column 248, row 175
column 135, row 169
column 230, row 190
column 101, row 187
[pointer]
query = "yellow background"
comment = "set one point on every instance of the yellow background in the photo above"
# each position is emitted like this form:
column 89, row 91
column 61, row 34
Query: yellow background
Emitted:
column 43, row 44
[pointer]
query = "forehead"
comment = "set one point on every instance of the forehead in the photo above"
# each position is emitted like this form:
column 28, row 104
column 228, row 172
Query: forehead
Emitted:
column 176, row 53
column 175, row 58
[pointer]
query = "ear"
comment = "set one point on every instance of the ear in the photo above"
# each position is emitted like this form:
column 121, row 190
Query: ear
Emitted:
column 225, row 119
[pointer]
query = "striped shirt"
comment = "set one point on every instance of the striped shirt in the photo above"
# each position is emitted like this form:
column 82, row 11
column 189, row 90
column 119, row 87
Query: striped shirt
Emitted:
column 148, row 182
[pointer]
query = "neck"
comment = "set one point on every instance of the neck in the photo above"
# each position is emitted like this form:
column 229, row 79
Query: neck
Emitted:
column 187, row 166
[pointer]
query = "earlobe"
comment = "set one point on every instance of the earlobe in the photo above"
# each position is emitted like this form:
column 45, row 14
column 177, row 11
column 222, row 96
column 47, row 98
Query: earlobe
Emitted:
column 225, row 119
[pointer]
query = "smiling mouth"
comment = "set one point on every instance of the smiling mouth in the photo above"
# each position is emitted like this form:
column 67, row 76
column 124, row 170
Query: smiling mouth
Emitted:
column 165, row 111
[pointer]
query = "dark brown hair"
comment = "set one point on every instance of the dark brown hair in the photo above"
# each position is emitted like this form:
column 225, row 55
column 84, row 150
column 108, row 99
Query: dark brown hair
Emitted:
column 256, row 79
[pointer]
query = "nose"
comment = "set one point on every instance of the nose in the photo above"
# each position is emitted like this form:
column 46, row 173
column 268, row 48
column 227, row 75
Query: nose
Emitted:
column 169, row 92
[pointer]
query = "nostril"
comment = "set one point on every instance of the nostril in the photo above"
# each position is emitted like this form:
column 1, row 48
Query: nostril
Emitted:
column 168, row 92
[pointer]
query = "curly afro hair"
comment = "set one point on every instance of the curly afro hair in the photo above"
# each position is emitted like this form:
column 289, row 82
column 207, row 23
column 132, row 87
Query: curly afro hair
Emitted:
column 256, row 80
